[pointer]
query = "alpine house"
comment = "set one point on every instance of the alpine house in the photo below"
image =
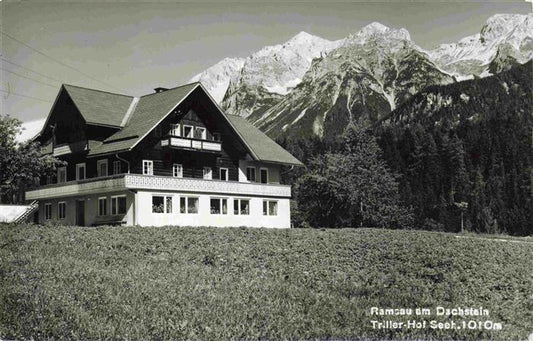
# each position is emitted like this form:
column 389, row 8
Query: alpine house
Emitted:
column 167, row 158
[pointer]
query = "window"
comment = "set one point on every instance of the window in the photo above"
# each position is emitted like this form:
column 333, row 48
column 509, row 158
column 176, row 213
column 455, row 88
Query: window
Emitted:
column 80, row 171
column 61, row 210
column 216, row 137
column 241, row 207
column 264, row 175
column 177, row 170
column 270, row 207
column 118, row 204
column 61, row 175
column 117, row 167
column 200, row 133
column 208, row 174
column 189, row 205
column 102, row 167
column 187, row 131
column 47, row 211
column 250, row 174
column 161, row 204
column 175, row 130
column 148, row 167
column 224, row 174
column 219, row 206
column 102, row 206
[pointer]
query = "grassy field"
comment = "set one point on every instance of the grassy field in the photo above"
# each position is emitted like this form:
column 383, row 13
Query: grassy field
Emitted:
column 210, row 284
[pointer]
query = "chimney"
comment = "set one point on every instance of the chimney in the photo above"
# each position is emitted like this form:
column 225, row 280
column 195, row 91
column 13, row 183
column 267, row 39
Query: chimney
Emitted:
column 158, row 90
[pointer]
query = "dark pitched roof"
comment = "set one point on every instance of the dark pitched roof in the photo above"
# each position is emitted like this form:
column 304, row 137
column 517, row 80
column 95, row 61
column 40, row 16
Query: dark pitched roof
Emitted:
column 151, row 109
column 261, row 146
column 147, row 111
column 99, row 107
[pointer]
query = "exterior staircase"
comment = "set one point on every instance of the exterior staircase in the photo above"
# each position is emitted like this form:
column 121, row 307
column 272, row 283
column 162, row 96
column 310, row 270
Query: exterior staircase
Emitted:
column 34, row 206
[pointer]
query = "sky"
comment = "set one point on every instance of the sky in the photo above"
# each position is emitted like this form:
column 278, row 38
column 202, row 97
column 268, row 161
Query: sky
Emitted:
column 134, row 47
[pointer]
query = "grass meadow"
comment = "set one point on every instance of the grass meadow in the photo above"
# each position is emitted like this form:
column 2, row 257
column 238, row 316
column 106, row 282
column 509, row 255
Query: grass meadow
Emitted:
column 236, row 283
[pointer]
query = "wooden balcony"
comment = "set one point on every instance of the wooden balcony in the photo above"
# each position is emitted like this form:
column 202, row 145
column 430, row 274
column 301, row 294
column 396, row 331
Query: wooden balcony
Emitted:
column 68, row 148
column 157, row 183
column 191, row 144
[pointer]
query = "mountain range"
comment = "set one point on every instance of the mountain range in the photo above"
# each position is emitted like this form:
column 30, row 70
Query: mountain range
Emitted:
column 313, row 86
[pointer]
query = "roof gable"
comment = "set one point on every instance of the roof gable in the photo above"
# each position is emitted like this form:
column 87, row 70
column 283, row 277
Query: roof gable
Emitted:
column 99, row 107
column 138, row 117
column 150, row 110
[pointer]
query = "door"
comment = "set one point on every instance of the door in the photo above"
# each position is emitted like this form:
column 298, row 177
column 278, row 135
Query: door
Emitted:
column 80, row 212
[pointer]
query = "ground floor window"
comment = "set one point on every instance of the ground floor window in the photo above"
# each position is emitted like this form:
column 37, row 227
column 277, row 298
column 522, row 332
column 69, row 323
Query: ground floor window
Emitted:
column 161, row 204
column 189, row 205
column 118, row 204
column 219, row 206
column 61, row 210
column 270, row 207
column 241, row 207
column 47, row 211
column 102, row 206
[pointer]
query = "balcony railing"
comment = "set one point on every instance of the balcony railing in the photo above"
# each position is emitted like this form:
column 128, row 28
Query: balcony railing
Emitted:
column 191, row 143
column 68, row 148
column 159, row 183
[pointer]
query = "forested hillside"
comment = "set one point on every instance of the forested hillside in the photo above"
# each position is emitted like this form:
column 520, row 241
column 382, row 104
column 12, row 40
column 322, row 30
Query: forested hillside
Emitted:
column 468, row 142
column 463, row 149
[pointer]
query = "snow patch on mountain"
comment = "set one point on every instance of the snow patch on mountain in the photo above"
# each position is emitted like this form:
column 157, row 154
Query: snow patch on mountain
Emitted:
column 473, row 54
column 216, row 78
column 272, row 72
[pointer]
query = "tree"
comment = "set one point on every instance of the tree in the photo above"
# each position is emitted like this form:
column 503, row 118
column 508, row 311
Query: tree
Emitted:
column 21, row 164
column 351, row 186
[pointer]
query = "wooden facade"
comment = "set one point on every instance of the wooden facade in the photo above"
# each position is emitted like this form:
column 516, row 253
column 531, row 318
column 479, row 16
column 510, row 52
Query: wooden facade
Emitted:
column 194, row 140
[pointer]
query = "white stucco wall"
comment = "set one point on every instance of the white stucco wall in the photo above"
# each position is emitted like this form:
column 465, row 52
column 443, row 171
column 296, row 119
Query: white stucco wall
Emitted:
column 91, row 209
column 145, row 217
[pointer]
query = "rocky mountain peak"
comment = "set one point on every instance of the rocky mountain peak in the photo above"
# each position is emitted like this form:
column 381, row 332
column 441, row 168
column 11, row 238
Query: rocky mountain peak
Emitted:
column 501, row 25
column 302, row 37
column 378, row 31
column 373, row 28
